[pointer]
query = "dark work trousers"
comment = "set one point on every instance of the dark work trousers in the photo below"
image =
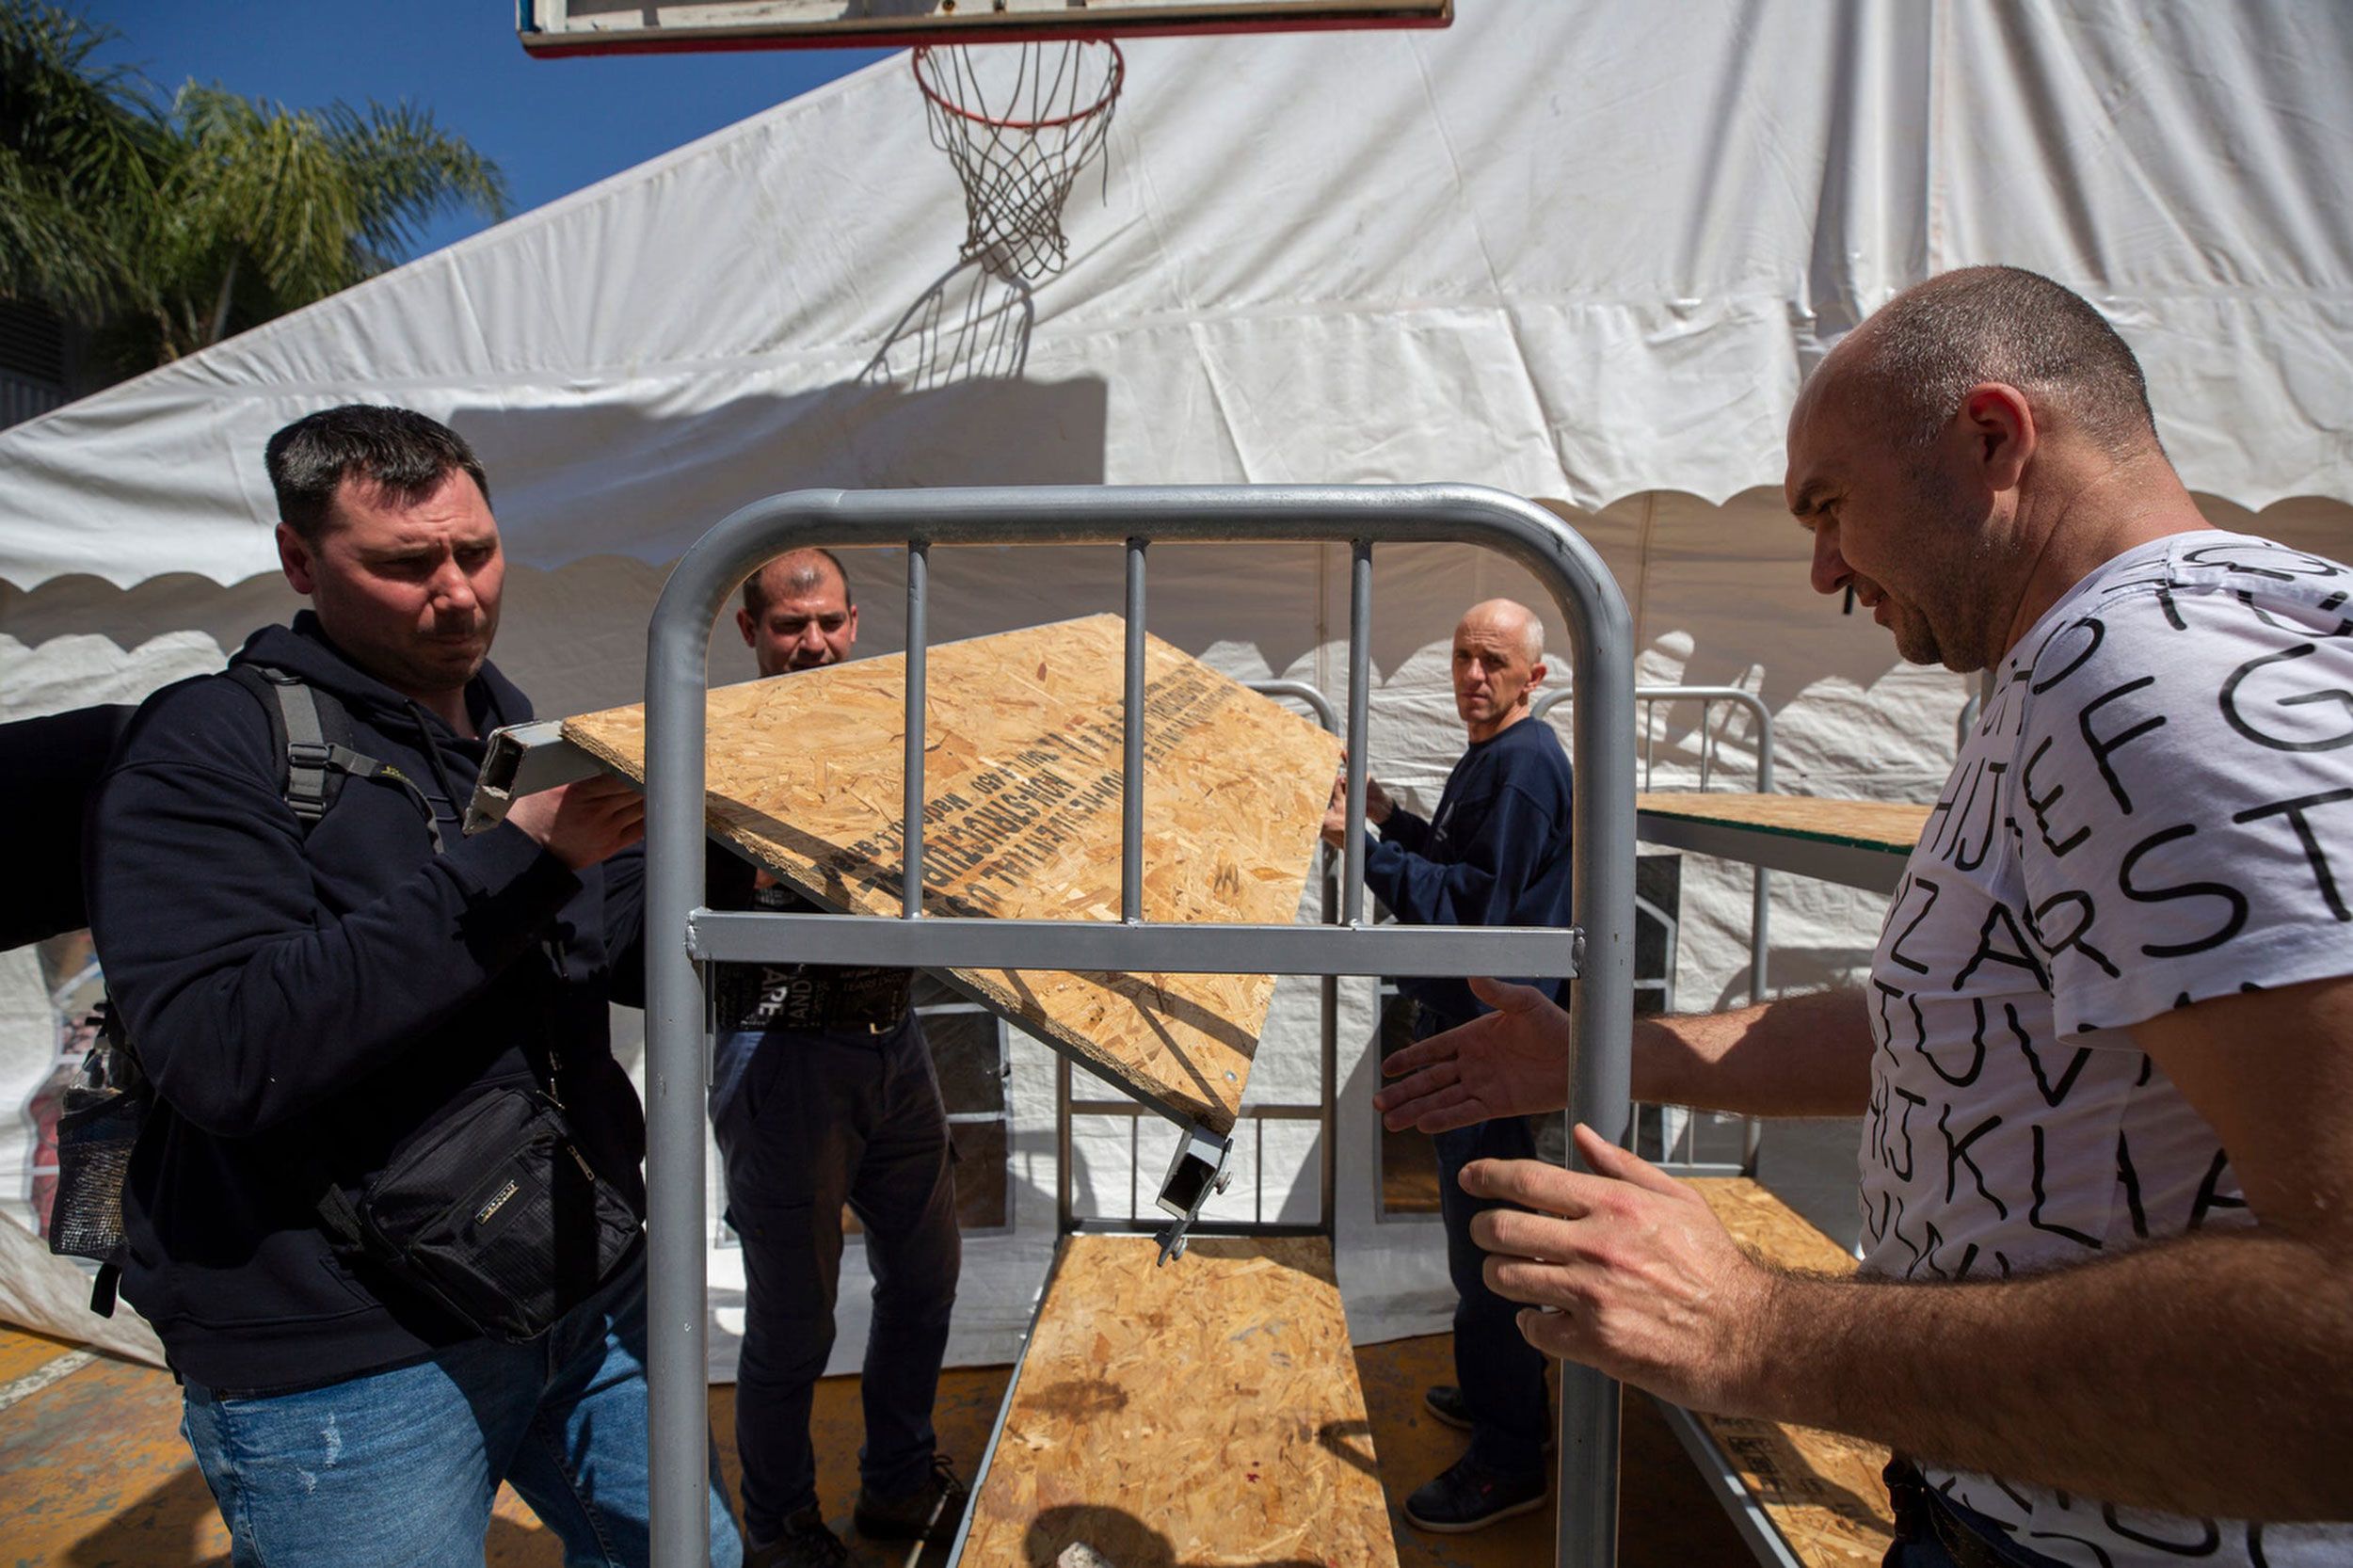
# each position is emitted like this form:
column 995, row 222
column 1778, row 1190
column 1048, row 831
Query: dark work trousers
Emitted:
column 1501, row 1374
column 1926, row 1519
column 806, row 1122
column 1997, row 1547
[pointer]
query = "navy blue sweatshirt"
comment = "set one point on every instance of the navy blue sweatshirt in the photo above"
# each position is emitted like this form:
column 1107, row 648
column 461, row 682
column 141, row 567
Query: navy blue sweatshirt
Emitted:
column 1496, row 853
column 308, row 1007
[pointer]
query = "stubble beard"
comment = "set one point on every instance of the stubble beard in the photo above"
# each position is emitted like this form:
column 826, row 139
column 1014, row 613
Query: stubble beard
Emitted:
column 452, row 674
column 457, row 674
column 1959, row 562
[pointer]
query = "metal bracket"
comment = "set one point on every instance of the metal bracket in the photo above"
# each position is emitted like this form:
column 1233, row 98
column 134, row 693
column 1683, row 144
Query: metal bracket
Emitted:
column 1201, row 1167
column 523, row 760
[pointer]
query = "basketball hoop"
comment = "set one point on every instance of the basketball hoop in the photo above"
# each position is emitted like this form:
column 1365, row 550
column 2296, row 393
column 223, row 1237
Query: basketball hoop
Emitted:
column 1020, row 122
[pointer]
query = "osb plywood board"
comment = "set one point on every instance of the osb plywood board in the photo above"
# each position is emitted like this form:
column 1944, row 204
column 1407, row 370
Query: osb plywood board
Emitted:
column 1205, row 1413
column 1021, row 787
column 1866, row 823
column 1821, row 1489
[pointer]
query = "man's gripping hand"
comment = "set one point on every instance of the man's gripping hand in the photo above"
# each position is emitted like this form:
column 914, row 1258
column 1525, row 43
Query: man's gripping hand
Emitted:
column 1646, row 1283
column 1377, row 806
column 1512, row 1062
column 582, row 822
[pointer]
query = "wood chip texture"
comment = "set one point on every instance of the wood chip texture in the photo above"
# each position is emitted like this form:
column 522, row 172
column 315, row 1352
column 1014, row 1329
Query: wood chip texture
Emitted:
column 1823, row 1490
column 1021, row 820
column 1206, row 1413
column 1887, row 824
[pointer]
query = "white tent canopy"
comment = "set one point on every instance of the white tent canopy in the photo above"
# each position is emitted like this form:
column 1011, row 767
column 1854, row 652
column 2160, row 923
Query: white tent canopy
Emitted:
column 1578, row 252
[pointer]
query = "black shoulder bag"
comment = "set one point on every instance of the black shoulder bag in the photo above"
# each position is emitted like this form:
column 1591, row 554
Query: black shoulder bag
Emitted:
column 496, row 1215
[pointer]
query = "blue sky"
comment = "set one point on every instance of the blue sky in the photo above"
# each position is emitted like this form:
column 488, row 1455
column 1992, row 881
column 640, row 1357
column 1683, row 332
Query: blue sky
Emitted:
column 551, row 125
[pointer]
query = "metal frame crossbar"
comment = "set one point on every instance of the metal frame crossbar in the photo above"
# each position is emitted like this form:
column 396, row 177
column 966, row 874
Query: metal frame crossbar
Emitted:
column 684, row 935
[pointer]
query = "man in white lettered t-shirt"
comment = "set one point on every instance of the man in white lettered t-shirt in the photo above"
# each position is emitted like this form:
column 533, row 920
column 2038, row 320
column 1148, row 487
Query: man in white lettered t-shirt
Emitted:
column 2105, row 1054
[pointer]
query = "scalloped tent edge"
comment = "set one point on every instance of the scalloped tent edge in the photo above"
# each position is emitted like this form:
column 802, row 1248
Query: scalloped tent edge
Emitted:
column 637, row 358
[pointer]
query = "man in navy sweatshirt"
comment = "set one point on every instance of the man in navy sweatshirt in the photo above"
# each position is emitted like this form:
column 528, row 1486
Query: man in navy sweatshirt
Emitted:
column 312, row 1000
column 1495, row 852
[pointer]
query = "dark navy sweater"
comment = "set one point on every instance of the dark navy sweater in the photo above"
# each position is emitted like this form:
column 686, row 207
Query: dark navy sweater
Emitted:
column 1496, row 853
column 308, row 1006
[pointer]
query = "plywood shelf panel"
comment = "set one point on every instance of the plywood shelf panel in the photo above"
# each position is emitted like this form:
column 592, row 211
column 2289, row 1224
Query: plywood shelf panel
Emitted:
column 1893, row 826
column 1208, row 1413
column 1022, row 797
column 1823, row 1490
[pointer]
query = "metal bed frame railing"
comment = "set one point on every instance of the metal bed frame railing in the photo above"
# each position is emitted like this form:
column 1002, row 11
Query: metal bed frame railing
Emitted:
column 1760, row 897
column 1068, row 1221
column 1647, row 700
column 684, row 935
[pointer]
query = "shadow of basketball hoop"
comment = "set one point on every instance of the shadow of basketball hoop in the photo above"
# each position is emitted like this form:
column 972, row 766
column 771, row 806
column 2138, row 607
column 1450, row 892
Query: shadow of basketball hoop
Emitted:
column 971, row 325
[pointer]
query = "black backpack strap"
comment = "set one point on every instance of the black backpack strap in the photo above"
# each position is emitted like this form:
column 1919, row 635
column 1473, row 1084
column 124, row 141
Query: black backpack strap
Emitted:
column 312, row 734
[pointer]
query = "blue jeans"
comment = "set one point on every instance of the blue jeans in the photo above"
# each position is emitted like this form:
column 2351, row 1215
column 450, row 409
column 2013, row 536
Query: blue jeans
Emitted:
column 808, row 1121
column 1501, row 1374
column 397, row 1469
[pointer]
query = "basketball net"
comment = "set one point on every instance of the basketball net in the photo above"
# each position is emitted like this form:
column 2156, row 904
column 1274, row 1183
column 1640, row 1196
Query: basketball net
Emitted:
column 1020, row 122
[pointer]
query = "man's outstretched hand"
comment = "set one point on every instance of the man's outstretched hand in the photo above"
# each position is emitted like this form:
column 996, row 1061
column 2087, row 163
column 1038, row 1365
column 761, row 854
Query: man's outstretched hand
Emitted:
column 1641, row 1279
column 1512, row 1062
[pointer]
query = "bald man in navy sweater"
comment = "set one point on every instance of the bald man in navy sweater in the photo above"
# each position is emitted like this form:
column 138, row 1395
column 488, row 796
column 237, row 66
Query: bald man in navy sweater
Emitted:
column 1495, row 852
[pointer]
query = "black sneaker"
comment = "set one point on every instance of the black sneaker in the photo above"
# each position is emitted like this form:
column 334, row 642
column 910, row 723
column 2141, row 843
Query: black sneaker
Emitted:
column 930, row 1512
column 1446, row 1404
column 807, row 1542
column 1471, row 1496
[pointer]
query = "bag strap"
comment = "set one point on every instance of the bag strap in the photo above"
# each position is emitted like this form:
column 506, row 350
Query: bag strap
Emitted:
column 129, row 1079
column 335, row 1211
column 311, row 733
column 316, row 766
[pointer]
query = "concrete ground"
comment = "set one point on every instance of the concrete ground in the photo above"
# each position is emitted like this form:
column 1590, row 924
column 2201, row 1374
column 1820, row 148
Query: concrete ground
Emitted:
column 93, row 1473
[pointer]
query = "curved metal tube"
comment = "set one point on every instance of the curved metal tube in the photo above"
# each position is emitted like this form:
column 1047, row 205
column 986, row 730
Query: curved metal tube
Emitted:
column 676, row 1063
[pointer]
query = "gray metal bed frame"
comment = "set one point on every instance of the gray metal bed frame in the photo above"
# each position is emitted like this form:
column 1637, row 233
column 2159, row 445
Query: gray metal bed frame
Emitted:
column 684, row 935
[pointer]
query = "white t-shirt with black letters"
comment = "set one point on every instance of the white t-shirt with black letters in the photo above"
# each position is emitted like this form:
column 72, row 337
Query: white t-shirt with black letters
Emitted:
column 2156, row 808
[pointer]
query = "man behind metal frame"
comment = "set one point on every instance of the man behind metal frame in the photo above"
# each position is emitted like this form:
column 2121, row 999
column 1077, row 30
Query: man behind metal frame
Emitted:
column 2105, row 1054
column 824, row 1095
column 1495, row 852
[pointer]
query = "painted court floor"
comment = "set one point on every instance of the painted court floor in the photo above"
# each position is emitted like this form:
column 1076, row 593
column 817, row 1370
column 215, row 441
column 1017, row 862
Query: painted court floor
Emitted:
column 93, row 1473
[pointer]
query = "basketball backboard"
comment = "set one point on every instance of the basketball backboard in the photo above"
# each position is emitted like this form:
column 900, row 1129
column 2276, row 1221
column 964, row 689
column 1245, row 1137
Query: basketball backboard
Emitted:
column 641, row 27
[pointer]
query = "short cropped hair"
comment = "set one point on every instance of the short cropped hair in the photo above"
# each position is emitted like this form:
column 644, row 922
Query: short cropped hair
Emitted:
column 756, row 588
column 1935, row 341
column 399, row 451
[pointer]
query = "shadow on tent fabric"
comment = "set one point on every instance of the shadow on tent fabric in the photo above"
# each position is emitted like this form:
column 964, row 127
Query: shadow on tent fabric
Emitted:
column 626, row 479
